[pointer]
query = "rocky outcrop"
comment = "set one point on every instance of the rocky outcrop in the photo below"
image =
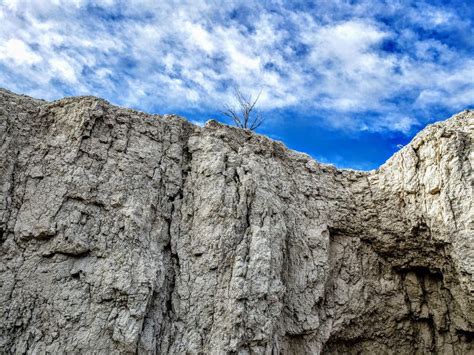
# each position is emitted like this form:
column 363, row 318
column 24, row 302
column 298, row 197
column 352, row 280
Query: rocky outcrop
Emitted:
column 123, row 232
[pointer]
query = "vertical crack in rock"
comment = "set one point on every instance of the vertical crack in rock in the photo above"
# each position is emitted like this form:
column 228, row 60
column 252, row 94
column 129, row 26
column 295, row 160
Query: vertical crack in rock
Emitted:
column 123, row 232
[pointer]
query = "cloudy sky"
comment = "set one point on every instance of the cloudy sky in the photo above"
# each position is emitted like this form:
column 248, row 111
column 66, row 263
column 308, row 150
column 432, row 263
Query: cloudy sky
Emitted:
column 347, row 82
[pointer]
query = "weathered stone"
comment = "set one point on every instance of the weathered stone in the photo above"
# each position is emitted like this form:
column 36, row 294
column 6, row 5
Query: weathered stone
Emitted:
column 123, row 232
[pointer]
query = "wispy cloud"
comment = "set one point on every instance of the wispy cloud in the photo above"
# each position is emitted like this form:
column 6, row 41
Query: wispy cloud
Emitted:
column 365, row 66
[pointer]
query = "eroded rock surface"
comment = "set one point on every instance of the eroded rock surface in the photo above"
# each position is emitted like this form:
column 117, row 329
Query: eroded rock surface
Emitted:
column 123, row 232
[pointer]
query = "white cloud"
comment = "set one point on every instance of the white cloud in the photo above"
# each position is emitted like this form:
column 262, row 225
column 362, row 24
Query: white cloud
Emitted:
column 182, row 55
column 19, row 52
column 63, row 69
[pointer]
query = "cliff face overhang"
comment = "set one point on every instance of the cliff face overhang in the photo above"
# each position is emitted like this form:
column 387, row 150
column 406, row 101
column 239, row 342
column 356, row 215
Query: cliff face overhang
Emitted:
column 122, row 231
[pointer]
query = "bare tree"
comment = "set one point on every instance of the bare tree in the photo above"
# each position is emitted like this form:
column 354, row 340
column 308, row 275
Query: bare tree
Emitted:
column 245, row 115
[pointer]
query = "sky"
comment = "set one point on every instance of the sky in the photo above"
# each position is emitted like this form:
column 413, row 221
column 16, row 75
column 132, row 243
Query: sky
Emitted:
column 348, row 82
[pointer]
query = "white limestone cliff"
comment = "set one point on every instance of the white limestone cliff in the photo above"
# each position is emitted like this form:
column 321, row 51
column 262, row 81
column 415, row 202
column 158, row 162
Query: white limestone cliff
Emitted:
column 123, row 232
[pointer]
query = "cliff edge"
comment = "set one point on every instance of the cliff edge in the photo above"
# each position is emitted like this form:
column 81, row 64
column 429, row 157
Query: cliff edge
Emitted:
column 124, row 232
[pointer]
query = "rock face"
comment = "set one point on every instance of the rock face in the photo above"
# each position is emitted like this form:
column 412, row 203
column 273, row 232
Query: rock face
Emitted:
column 123, row 232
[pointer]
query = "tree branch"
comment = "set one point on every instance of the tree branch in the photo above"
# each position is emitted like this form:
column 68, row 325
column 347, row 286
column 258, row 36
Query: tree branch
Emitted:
column 248, row 118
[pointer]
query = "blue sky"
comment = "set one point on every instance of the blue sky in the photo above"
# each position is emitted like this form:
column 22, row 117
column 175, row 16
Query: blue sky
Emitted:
column 347, row 82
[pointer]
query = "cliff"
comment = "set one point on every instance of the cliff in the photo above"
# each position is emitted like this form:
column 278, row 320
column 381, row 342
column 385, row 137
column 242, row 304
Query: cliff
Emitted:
column 124, row 232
